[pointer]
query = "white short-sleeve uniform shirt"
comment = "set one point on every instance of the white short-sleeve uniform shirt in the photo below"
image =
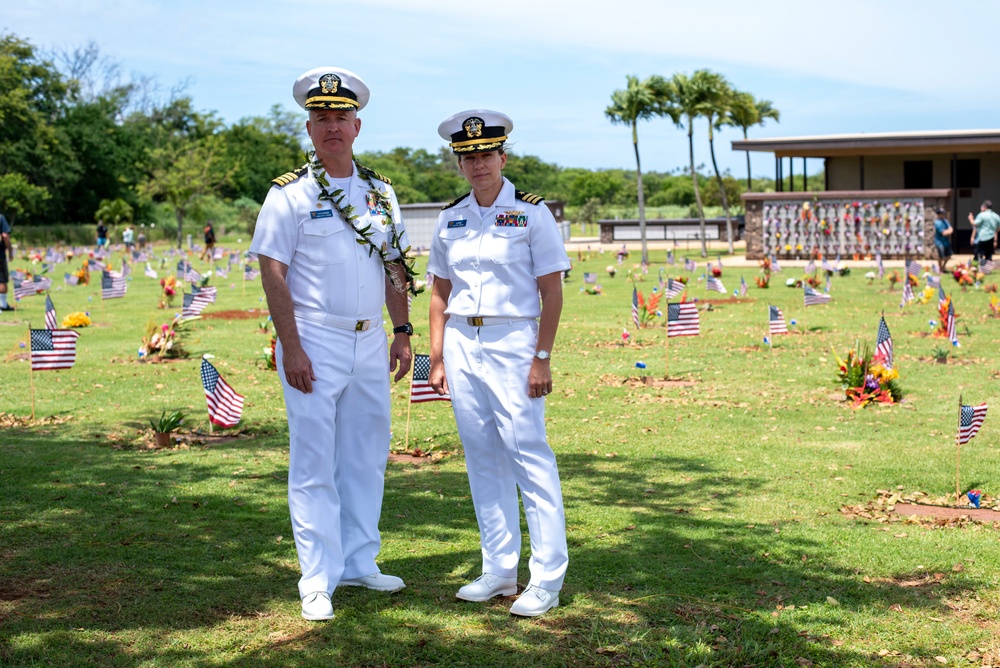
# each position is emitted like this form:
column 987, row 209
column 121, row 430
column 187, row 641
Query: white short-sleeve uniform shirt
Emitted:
column 328, row 270
column 494, row 256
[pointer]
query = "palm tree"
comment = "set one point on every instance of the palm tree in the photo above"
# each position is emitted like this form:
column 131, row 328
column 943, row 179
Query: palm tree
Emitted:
column 693, row 96
column 745, row 112
column 639, row 101
column 714, row 113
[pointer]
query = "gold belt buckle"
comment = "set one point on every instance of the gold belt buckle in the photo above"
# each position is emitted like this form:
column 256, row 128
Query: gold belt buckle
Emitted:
column 476, row 322
column 362, row 325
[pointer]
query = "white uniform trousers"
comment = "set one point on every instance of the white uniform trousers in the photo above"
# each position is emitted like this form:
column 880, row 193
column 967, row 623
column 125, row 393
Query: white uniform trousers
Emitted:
column 503, row 435
column 339, row 437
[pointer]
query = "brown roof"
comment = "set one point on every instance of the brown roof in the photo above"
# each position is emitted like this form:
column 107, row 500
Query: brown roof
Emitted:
column 876, row 143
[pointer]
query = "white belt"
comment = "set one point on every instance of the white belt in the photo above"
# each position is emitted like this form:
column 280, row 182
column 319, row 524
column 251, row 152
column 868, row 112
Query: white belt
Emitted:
column 483, row 321
column 338, row 321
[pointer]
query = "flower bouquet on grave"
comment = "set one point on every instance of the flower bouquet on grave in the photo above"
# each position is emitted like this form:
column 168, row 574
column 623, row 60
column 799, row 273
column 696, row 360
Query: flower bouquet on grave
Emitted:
column 866, row 379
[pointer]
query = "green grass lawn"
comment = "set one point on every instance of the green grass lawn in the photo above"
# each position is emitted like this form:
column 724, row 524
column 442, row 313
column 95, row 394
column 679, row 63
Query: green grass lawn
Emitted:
column 704, row 519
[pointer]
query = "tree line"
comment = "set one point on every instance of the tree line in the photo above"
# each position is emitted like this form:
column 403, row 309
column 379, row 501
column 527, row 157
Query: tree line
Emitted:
column 79, row 142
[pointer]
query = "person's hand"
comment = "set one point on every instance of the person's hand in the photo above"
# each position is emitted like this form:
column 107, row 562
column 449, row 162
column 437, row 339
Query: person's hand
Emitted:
column 399, row 352
column 436, row 378
column 539, row 378
column 298, row 369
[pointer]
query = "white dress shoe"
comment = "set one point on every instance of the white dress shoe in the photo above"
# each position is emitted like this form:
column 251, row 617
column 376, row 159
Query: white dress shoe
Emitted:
column 376, row 581
column 317, row 606
column 486, row 586
column 534, row 601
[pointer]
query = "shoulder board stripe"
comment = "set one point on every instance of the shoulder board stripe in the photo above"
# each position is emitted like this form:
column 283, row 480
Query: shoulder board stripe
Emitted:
column 288, row 177
column 454, row 202
column 374, row 174
column 528, row 197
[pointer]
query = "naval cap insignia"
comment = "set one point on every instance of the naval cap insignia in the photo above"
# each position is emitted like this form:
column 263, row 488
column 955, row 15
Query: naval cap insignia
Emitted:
column 329, row 83
column 473, row 127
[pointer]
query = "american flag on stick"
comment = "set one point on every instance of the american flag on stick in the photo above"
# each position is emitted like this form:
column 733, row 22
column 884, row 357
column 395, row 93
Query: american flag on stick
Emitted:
column 112, row 287
column 811, row 297
column 194, row 304
column 635, row 307
column 249, row 273
column 970, row 421
column 942, row 297
column 420, row 389
column 682, row 319
column 907, row 293
column 672, row 288
column 743, row 287
column 827, row 266
column 29, row 287
column 713, row 283
column 589, row 277
column 775, row 267
column 883, row 343
column 670, row 258
column 53, row 349
column 689, row 265
column 988, row 266
column 209, row 292
column 225, row 406
column 776, row 321
column 71, row 279
column 50, row 314
column 810, row 267
column 914, row 269
column 881, row 267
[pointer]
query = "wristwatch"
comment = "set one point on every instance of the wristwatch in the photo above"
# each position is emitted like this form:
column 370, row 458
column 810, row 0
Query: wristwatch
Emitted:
column 543, row 355
column 406, row 328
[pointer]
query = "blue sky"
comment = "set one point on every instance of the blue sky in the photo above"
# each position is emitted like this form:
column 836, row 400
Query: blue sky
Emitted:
column 862, row 66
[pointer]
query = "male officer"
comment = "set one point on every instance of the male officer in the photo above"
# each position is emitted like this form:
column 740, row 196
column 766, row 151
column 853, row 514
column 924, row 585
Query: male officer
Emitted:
column 326, row 278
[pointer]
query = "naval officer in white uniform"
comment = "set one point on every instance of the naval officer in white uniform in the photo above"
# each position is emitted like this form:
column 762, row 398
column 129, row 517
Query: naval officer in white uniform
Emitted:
column 497, row 258
column 325, row 292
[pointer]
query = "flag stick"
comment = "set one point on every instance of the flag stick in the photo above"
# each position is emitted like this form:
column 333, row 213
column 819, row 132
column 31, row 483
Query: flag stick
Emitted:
column 409, row 406
column 666, row 355
column 958, row 451
column 31, row 374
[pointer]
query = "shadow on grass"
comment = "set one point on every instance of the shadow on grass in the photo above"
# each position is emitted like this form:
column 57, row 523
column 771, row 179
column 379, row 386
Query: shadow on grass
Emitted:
column 109, row 558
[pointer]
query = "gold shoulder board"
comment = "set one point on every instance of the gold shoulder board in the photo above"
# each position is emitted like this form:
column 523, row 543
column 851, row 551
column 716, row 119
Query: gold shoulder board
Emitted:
column 454, row 202
column 288, row 177
column 528, row 197
column 372, row 173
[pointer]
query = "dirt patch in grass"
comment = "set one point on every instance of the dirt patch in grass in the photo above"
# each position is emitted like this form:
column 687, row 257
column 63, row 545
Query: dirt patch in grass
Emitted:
column 946, row 512
column 236, row 314
column 918, row 508
column 417, row 457
column 614, row 380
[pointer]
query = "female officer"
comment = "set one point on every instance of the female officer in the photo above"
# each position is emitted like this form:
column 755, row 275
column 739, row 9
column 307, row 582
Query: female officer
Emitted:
column 494, row 253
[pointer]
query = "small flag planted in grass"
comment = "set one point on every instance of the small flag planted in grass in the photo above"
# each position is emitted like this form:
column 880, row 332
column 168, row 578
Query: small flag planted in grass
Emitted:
column 225, row 406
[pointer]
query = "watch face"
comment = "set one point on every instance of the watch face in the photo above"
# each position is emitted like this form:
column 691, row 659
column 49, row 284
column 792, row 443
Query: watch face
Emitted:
column 542, row 354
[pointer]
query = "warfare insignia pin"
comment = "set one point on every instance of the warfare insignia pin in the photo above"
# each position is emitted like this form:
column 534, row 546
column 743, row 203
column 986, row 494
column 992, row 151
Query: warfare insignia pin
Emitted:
column 474, row 127
column 329, row 83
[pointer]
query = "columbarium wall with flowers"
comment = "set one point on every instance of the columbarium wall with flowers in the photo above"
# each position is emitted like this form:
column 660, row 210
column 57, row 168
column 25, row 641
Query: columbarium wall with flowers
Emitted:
column 852, row 224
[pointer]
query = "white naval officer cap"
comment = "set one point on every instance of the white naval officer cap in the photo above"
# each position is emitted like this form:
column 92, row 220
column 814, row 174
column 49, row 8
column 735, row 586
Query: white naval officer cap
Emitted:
column 476, row 130
column 330, row 88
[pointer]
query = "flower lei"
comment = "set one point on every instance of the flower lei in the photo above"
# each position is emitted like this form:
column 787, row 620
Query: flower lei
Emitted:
column 364, row 234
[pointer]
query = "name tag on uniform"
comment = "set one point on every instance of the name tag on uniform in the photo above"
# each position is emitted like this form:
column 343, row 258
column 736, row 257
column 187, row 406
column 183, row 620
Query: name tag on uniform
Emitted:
column 456, row 223
column 322, row 213
column 511, row 219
